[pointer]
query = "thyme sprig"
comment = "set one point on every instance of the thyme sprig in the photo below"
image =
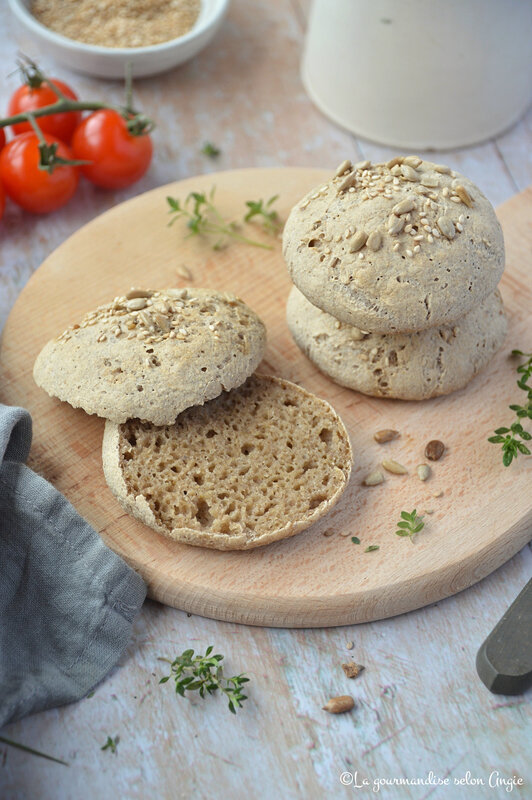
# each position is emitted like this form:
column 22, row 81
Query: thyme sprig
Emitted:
column 267, row 216
column 205, row 674
column 513, row 438
column 210, row 150
column 111, row 744
column 32, row 752
column 204, row 219
column 409, row 524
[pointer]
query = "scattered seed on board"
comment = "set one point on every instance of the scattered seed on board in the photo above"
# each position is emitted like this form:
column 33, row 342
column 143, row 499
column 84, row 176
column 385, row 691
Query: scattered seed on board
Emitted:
column 434, row 450
column 423, row 472
column 337, row 705
column 394, row 467
column 184, row 272
column 439, row 493
column 374, row 478
column 386, row 435
column 329, row 532
column 352, row 670
column 349, row 645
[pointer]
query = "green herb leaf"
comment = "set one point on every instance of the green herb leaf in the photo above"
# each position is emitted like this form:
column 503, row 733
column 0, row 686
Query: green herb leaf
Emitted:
column 202, row 218
column 371, row 548
column 205, row 674
column 409, row 524
column 210, row 150
column 111, row 744
column 268, row 217
column 355, row 539
column 511, row 439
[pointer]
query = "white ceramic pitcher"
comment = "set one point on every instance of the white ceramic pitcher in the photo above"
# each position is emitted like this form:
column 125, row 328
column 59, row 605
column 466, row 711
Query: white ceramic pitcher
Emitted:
column 420, row 73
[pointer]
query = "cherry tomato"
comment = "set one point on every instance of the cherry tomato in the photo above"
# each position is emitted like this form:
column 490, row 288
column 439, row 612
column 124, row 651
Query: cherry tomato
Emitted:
column 30, row 187
column 2, row 201
column 27, row 98
column 2, row 138
column 117, row 158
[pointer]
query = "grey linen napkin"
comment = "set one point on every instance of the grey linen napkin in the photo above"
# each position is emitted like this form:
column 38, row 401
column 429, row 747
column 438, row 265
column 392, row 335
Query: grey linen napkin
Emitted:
column 67, row 602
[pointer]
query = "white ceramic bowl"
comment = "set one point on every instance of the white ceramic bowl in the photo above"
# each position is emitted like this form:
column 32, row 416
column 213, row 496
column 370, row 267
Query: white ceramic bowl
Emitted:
column 110, row 62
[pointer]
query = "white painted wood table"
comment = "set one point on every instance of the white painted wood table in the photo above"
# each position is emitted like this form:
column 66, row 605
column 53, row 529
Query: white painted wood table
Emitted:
column 419, row 704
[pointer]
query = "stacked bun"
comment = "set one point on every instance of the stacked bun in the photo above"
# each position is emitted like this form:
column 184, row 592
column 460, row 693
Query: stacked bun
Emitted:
column 396, row 267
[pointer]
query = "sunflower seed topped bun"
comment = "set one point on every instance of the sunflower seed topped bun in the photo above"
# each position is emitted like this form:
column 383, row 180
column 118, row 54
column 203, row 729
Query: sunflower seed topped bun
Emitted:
column 254, row 465
column 150, row 354
column 395, row 247
column 407, row 366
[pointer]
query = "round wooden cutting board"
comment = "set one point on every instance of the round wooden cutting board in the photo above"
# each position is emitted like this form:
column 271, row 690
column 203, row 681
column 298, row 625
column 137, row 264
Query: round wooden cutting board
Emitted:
column 480, row 513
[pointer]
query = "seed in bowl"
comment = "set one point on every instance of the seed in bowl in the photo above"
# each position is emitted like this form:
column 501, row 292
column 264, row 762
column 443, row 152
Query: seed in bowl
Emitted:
column 118, row 23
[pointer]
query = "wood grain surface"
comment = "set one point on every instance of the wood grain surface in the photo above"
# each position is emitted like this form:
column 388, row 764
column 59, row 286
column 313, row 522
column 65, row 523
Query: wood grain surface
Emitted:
column 482, row 518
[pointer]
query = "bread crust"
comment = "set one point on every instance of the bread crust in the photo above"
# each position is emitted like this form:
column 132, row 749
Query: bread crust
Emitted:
column 381, row 251
column 181, row 348
column 406, row 366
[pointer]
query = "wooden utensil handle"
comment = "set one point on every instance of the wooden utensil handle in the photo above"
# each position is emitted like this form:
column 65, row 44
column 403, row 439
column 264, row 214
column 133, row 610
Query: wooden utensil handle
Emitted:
column 504, row 661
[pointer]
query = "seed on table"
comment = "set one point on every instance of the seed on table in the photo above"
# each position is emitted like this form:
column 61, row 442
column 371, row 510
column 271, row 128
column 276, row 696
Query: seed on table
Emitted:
column 349, row 645
column 374, row 478
column 337, row 705
column 394, row 467
column 385, row 435
column 329, row 532
column 423, row 472
column 434, row 450
column 184, row 272
column 352, row 670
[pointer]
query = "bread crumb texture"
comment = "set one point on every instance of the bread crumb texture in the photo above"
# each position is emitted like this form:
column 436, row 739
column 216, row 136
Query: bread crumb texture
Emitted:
column 118, row 23
column 395, row 247
column 152, row 353
column 407, row 366
column 256, row 464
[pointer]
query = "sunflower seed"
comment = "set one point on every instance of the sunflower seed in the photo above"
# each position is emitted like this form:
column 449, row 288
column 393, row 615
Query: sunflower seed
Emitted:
column 446, row 226
column 136, row 304
column 363, row 165
column 404, row 206
column 442, row 169
column 464, row 196
column 394, row 467
column 184, row 272
column 413, row 161
column 135, row 293
column 358, row 241
column 395, row 224
column 374, row 241
column 409, row 173
column 430, row 180
column 344, row 167
column 348, row 181
column 374, row 478
column 423, row 472
column 386, row 435
column 394, row 162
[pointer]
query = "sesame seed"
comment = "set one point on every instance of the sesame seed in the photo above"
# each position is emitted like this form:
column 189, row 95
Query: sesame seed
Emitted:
column 455, row 199
column 409, row 253
column 430, row 238
column 397, row 246
column 417, row 248
column 459, row 227
column 445, row 191
column 461, row 218
column 436, row 233
column 419, row 237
